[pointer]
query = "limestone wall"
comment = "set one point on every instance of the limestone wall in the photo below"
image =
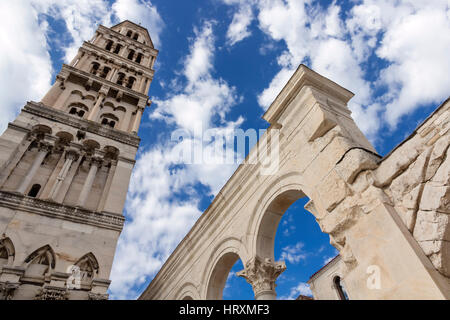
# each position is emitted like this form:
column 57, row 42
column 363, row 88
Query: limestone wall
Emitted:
column 416, row 177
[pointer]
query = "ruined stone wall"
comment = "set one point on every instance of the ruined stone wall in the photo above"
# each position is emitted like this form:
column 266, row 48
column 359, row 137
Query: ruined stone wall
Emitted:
column 416, row 177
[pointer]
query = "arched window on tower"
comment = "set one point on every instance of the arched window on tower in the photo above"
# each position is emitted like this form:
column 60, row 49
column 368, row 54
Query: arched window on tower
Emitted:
column 7, row 252
column 109, row 120
column 131, row 81
column 78, row 109
column 131, row 55
column 342, row 294
column 139, row 58
column 129, row 33
column 95, row 67
column 117, row 49
column 109, row 45
column 120, row 78
column 136, row 36
column 105, row 72
column 34, row 190
column 39, row 263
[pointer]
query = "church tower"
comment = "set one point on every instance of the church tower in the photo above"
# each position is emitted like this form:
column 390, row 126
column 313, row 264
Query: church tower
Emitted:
column 65, row 166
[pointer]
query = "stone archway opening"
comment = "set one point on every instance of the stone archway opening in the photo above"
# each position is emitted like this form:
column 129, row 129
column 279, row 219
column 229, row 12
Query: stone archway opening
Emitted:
column 288, row 233
column 220, row 275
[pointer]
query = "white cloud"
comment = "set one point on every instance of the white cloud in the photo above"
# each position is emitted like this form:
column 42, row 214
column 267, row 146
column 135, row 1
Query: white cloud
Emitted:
column 301, row 289
column 25, row 65
column 294, row 254
column 158, row 220
column 412, row 36
column 238, row 29
column 141, row 12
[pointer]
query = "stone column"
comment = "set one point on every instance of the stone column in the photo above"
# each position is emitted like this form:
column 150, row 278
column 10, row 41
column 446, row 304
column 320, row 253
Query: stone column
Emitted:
column 44, row 148
column 111, row 75
column 12, row 163
column 95, row 164
column 125, row 124
column 137, row 119
column 101, row 96
column 64, row 188
column 71, row 155
column 142, row 84
column 107, row 187
column 261, row 274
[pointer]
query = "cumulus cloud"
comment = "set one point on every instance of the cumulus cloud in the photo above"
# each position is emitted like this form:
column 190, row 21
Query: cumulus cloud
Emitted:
column 294, row 253
column 301, row 289
column 157, row 218
column 242, row 18
column 25, row 63
column 409, row 40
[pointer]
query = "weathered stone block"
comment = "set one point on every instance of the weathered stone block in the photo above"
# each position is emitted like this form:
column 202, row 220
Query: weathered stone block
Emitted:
column 435, row 197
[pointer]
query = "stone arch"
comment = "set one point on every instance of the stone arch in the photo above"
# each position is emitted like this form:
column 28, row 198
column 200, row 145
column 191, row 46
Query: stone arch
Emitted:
column 88, row 267
column 40, row 263
column 91, row 145
column 7, row 252
column 42, row 129
column 188, row 291
column 276, row 199
column 64, row 138
column 222, row 259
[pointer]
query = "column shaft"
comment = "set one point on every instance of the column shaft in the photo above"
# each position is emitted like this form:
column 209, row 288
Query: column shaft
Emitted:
column 88, row 183
column 94, row 112
column 34, row 167
column 137, row 120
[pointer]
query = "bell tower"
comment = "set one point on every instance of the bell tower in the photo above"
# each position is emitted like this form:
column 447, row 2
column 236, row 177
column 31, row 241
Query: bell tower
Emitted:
column 66, row 163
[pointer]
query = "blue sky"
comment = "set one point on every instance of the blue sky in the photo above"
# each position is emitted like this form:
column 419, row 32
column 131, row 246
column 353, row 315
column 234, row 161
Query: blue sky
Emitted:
column 221, row 63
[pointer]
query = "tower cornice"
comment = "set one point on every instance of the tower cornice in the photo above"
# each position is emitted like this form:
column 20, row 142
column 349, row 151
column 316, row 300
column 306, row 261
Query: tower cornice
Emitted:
column 41, row 110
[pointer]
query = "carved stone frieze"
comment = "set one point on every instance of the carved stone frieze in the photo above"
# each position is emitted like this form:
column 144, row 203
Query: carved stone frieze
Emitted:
column 52, row 293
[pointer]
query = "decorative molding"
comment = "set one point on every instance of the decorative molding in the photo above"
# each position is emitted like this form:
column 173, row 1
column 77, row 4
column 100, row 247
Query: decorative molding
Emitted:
column 52, row 293
column 97, row 296
column 43, row 111
column 60, row 211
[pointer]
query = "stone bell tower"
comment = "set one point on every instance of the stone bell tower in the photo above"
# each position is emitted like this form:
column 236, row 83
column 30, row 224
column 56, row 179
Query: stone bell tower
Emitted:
column 65, row 168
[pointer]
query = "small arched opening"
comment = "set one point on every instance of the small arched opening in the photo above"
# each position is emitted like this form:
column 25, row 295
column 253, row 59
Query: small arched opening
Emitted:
column 130, row 54
column 109, row 45
column 340, row 290
column 7, row 252
column 34, row 190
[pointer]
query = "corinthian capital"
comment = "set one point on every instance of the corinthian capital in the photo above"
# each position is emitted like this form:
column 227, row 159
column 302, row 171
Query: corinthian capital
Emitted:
column 261, row 274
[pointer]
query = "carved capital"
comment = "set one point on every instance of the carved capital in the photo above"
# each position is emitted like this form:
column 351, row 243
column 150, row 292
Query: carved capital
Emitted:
column 45, row 146
column 96, row 161
column 261, row 274
column 7, row 290
column 72, row 154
